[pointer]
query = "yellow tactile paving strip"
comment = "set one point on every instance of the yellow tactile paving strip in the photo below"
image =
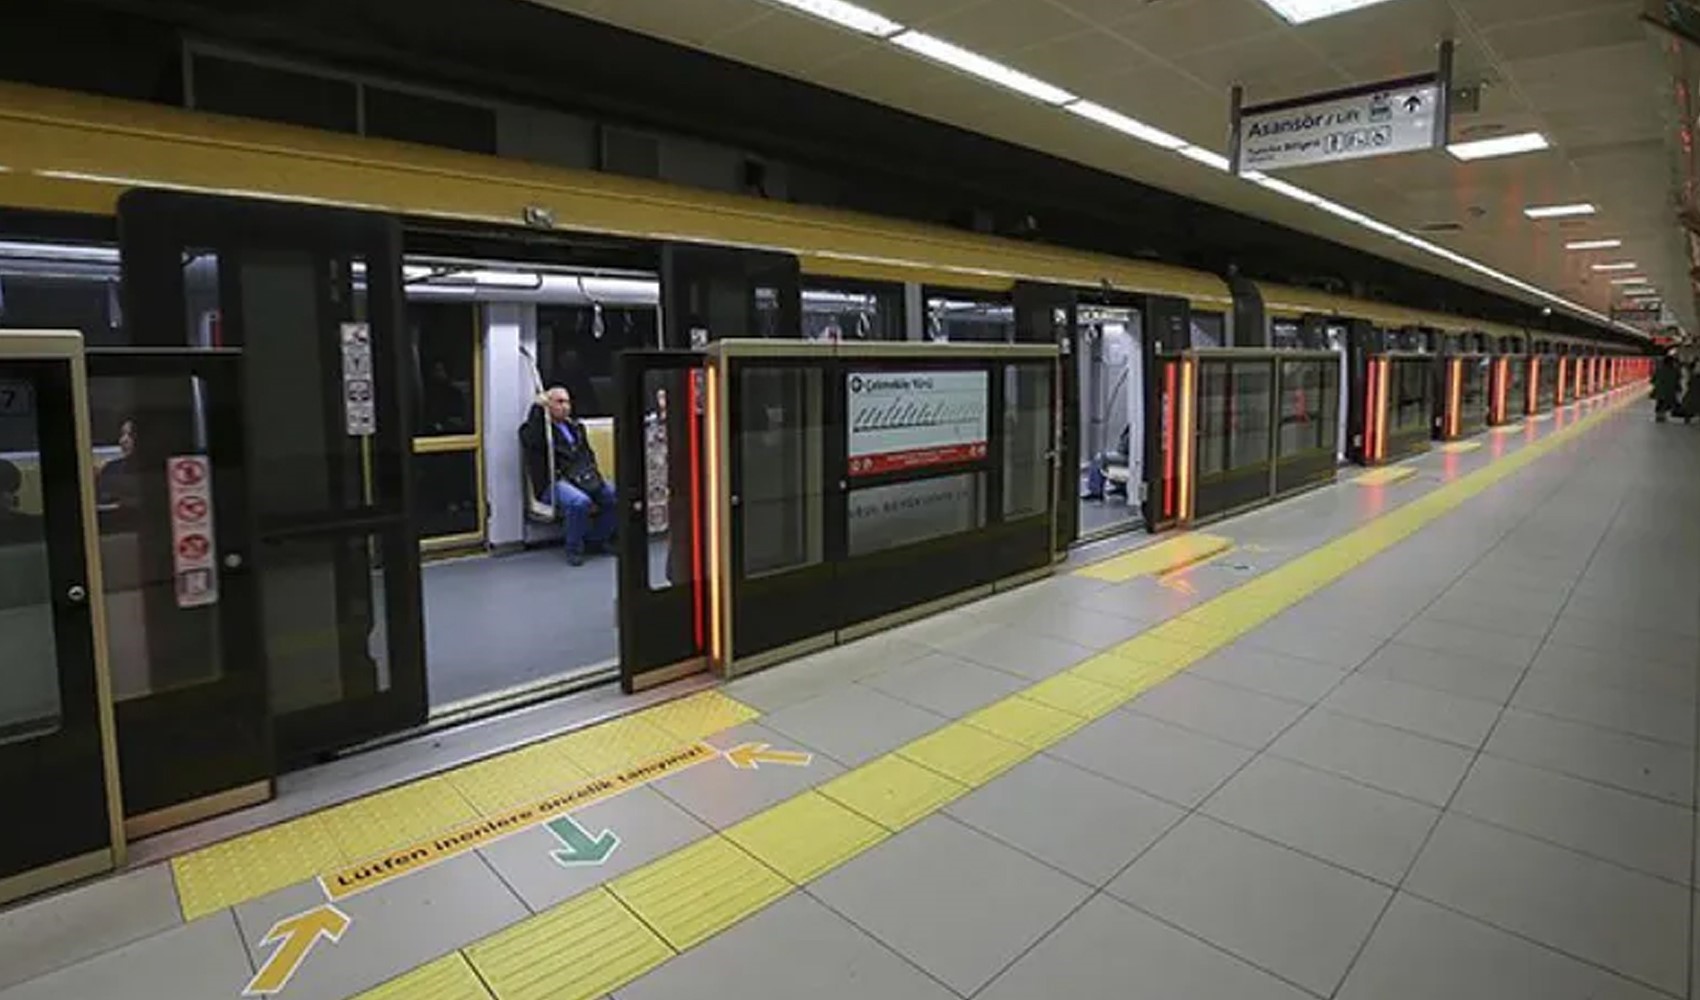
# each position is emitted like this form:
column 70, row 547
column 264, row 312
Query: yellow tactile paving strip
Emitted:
column 586, row 947
column 448, row 978
column 1161, row 557
column 1385, row 475
column 234, row 871
column 698, row 890
column 708, row 886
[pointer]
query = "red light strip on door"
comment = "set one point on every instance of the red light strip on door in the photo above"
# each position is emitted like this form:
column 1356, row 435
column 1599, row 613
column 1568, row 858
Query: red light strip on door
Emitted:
column 694, row 420
column 716, row 651
column 1186, row 408
column 1170, row 386
column 1531, row 393
column 1454, row 398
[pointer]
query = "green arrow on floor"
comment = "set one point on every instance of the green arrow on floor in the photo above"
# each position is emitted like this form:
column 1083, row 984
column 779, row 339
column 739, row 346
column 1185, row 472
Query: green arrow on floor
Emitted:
column 578, row 847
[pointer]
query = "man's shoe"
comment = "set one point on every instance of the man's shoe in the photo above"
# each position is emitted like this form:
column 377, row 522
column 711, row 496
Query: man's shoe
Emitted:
column 575, row 559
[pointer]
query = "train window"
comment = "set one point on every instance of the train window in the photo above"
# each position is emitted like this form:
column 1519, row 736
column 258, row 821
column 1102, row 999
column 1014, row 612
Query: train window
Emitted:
column 853, row 312
column 577, row 344
column 446, row 488
column 1208, row 329
column 1285, row 333
column 61, row 286
column 1248, row 414
column 445, row 335
column 962, row 319
column 32, row 705
column 1308, row 406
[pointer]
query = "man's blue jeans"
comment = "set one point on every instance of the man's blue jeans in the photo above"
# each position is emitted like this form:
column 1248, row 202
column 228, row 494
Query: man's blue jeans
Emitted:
column 580, row 527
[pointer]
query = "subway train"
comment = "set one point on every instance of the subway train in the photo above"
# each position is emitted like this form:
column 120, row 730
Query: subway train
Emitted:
column 227, row 276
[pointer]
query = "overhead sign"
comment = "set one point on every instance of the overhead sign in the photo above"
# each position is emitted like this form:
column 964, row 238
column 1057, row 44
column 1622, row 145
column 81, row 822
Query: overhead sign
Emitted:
column 194, row 564
column 1401, row 116
column 359, row 400
column 912, row 420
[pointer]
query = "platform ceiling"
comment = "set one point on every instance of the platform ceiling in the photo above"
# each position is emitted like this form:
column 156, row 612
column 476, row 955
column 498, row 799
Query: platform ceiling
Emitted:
column 1589, row 74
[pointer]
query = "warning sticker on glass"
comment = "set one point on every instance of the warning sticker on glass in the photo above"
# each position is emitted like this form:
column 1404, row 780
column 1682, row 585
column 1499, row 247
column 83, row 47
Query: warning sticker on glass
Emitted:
column 194, row 557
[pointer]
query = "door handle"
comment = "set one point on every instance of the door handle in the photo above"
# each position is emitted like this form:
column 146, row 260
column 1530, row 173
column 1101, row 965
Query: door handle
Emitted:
column 233, row 560
column 76, row 593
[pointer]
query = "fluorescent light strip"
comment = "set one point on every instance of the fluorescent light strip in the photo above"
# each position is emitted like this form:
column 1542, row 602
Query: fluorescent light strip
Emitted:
column 974, row 64
column 1637, row 280
column 1210, row 158
column 1617, row 265
column 1302, row 11
column 1593, row 244
column 845, row 15
column 1505, row 145
column 1559, row 211
column 1125, row 125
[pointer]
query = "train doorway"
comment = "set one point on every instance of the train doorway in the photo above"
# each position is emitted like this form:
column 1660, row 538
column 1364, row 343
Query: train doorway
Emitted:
column 1111, row 417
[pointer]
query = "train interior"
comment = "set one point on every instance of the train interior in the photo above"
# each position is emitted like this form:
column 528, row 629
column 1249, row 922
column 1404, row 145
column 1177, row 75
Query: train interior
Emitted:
column 1112, row 433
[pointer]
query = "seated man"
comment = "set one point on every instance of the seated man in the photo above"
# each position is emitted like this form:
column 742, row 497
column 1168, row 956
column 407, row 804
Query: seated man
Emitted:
column 584, row 499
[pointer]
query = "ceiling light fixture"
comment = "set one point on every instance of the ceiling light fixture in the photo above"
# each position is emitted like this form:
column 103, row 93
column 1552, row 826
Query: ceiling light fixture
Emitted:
column 1559, row 211
column 845, row 15
column 974, row 64
column 1208, row 157
column 1641, row 293
column 1505, row 145
column 1301, row 11
column 1636, row 280
column 1593, row 244
column 1617, row 265
column 1125, row 125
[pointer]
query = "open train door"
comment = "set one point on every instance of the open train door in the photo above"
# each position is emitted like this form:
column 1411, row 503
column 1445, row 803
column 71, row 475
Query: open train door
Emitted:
column 311, row 300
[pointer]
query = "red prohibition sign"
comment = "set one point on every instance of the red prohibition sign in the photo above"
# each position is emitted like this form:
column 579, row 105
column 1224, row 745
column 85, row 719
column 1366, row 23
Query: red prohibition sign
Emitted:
column 193, row 547
column 188, row 473
column 191, row 509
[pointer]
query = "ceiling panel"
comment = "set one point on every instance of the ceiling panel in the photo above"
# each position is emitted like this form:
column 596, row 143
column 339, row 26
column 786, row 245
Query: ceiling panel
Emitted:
column 1581, row 71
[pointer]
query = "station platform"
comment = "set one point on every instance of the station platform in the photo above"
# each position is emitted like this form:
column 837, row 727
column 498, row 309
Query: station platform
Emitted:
column 1427, row 732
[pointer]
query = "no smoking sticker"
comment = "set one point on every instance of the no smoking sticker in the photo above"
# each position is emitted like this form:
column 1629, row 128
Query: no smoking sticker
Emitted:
column 193, row 551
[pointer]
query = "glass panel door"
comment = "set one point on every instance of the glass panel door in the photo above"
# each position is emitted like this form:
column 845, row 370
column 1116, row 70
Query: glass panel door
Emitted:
column 188, row 671
column 53, row 766
column 312, row 298
column 1046, row 314
column 663, row 599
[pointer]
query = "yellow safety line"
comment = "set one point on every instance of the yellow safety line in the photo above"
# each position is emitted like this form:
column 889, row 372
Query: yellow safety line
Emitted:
column 1385, row 475
column 1154, row 560
column 703, row 888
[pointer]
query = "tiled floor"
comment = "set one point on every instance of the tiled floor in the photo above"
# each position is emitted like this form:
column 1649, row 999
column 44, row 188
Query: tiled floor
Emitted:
column 1465, row 769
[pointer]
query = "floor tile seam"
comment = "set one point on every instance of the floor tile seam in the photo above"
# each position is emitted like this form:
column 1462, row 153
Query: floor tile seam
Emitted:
column 718, row 833
column 1573, row 849
column 1537, row 942
column 1689, row 806
column 1603, row 727
column 1432, row 688
column 819, row 900
column 1434, row 824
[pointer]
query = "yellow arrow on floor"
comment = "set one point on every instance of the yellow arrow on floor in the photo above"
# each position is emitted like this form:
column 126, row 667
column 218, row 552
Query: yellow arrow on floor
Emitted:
column 295, row 937
column 749, row 756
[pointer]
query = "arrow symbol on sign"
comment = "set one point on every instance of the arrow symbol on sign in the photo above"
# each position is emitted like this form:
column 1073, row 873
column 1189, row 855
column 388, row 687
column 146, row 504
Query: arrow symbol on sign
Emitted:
column 295, row 937
column 750, row 756
column 1413, row 104
column 578, row 847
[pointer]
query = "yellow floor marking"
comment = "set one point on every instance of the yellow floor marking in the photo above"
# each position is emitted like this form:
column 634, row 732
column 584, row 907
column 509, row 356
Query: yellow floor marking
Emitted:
column 251, row 866
column 405, row 859
column 448, row 978
column 1158, row 558
column 705, row 887
column 614, row 744
column 1125, row 675
column 806, row 836
column 892, row 791
column 254, row 864
column 580, row 950
column 499, row 783
column 1460, row 447
column 699, row 890
column 1024, row 721
column 1384, row 475
column 699, row 715
column 378, row 822
column 965, row 754
column 1156, row 651
column 1076, row 695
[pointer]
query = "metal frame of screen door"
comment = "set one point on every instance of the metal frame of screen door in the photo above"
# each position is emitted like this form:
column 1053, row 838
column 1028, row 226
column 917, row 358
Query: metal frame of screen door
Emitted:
column 52, row 346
